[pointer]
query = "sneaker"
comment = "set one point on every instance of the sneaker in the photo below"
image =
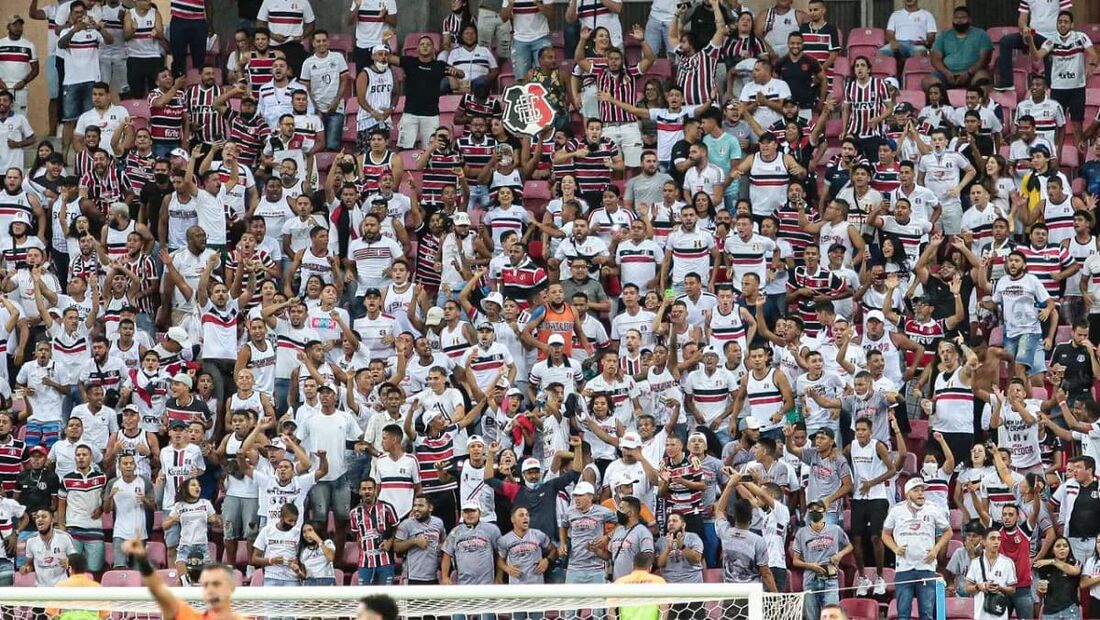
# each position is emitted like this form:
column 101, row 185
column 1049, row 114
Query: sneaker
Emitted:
column 863, row 585
column 880, row 586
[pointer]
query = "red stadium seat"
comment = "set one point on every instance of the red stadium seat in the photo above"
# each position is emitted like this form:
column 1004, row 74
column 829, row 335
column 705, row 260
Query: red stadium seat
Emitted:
column 884, row 66
column 1092, row 96
column 918, row 429
column 121, row 578
column 867, row 36
column 324, row 161
column 341, row 42
column 257, row 578
column 449, row 103
column 340, row 577
column 915, row 98
column 998, row 32
column 960, row 608
column 892, row 610
column 957, row 97
column 25, row 580
column 170, row 577
column 1069, row 157
column 910, row 466
column 842, row 67
column 1093, row 30
column 956, row 519
column 867, row 51
column 350, row 130
column 860, row 608
column 662, row 66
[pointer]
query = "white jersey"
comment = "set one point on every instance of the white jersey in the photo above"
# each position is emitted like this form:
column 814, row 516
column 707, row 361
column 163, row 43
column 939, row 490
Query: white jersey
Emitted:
column 768, row 181
column 1019, row 299
column 1059, row 218
column 379, row 96
column 181, row 216
column 866, row 466
column 765, row 399
column 262, row 365
column 1067, row 64
column 1021, row 438
column 890, row 355
column 1079, row 252
column 690, row 253
column 727, row 327
column 954, row 404
column 749, row 256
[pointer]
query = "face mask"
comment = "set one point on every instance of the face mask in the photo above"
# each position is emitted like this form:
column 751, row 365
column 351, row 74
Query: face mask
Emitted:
column 346, row 167
column 621, row 517
column 530, row 485
column 380, row 66
column 817, row 516
column 929, row 469
column 506, row 161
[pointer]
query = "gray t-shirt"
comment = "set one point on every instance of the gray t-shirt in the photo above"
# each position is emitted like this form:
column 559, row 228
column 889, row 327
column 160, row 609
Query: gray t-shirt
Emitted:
column 958, row 565
column 825, row 476
column 472, row 552
column 743, row 553
column 817, row 547
column 584, row 528
column 876, row 408
column 422, row 564
column 679, row 569
column 715, row 480
column 626, row 542
column 647, row 190
column 524, row 553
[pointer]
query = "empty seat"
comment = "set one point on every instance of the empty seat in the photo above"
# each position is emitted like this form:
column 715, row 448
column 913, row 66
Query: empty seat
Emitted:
column 867, row 51
column 136, row 107
column 884, row 66
column 867, row 36
column 998, row 32
column 121, row 578
column 860, row 608
column 960, row 608
column 842, row 66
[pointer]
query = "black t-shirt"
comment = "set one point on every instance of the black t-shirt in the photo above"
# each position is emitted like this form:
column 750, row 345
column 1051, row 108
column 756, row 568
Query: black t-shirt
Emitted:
column 1084, row 521
column 1078, row 378
column 152, row 197
column 248, row 9
column 943, row 300
column 422, row 81
column 799, row 75
column 1061, row 588
column 36, row 490
column 679, row 151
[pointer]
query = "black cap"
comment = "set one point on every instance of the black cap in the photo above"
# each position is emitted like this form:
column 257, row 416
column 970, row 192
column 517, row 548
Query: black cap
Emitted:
column 177, row 424
column 828, row 432
column 922, row 299
column 372, row 292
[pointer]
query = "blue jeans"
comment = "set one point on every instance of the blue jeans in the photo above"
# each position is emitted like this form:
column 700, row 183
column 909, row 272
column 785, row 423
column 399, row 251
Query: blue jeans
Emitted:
column 1027, row 350
column 1069, row 613
column 280, row 583
column 834, row 518
column 905, row 50
column 282, row 389
column 574, row 575
column 334, row 130
column 163, row 149
column 819, row 593
column 1023, row 603
column 908, row 588
column 76, row 99
column 378, row 576
column 479, row 197
column 656, row 35
column 320, row 581
column 187, row 35
column 93, row 550
column 1009, row 42
column 525, row 54
column 711, row 545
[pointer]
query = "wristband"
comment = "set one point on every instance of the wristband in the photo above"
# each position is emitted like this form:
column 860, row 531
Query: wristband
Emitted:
column 142, row 565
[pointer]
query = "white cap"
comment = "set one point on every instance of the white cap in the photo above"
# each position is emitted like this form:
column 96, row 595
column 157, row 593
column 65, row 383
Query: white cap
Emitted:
column 914, row 483
column 380, row 48
column 475, row 439
column 20, row 216
column 625, row 479
column 179, row 334
column 471, row 505
column 584, row 488
column 530, row 463
column 430, row 415
column 876, row 315
column 555, row 339
column 503, row 383
column 752, row 423
column 711, row 350
column 185, row 379
column 493, row 297
column 892, row 82
column 434, row 316
column 181, row 153
column 514, row 392
column 630, row 440
column 698, row 435
column 461, row 218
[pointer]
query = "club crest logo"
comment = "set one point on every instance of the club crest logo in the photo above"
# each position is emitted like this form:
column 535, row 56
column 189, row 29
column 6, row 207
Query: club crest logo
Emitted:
column 527, row 109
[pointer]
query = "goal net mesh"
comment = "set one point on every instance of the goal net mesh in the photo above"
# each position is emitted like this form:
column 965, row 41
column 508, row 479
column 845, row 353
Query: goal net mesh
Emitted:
column 565, row 602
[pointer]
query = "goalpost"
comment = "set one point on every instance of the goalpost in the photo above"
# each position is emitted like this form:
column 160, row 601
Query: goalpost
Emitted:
column 703, row 601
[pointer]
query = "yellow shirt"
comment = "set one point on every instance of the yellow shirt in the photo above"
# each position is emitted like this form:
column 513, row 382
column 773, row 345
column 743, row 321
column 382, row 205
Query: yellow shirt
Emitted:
column 640, row 612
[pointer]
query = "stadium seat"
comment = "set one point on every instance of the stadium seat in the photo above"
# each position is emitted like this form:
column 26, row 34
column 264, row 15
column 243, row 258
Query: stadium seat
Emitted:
column 351, row 131
column 170, row 577
column 842, row 67
column 866, row 36
column 957, row 97
column 1093, row 30
column 25, row 580
column 956, row 519
column 884, row 66
column 324, row 160
column 633, row 55
column 918, row 429
column 998, row 32
column 409, row 157
column 341, row 42
column 713, row 575
column 193, row 76
column 867, row 51
column 257, row 578
column 892, row 610
column 910, row 465
column 505, row 81
column 915, row 98
column 350, row 555
column 340, row 576
column 244, row 554
column 238, row 577
column 121, row 578
column 960, row 608
column 662, row 66
column 1069, row 157
column 860, row 608
column 449, row 103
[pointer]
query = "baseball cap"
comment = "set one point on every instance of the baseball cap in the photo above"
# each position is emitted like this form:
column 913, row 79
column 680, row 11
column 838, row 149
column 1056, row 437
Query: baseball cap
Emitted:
column 630, row 440
column 903, row 108
column 430, row 415
column 181, row 153
column 15, row 18
column 752, row 423
column 460, row 219
column 380, row 48
column 711, row 351
column 875, row 315
column 475, row 439
column 177, row 424
column 372, row 292
column 828, row 432
column 54, row 311
column 434, row 316
column 922, row 299
column 1039, row 149
column 326, row 386
column 485, row 326
column 892, row 82
column 584, row 488
column 471, row 505
column 131, row 407
column 625, row 479
column 698, row 435
column 514, row 392
column 179, row 335
column 555, row 339
column 39, row 450
column 531, row 463
column 914, row 483
column 184, row 378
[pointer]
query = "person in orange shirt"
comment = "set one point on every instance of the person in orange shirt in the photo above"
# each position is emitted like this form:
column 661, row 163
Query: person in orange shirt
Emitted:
column 622, row 487
column 78, row 578
column 643, row 564
column 217, row 583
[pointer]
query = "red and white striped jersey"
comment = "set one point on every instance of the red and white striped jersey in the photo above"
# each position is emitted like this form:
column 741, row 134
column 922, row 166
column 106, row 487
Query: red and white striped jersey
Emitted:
column 166, row 121
column 622, row 86
column 695, row 73
column 372, row 525
column 189, row 9
column 206, row 123
column 1044, row 262
column 591, row 171
column 866, row 101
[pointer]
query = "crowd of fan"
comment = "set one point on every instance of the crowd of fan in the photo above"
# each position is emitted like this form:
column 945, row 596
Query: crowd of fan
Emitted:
column 695, row 316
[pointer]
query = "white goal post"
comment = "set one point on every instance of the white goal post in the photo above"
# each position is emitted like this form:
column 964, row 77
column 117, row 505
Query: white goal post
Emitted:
column 703, row 601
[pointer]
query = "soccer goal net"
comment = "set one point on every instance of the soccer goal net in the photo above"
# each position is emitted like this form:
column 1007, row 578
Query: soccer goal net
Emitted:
column 704, row 601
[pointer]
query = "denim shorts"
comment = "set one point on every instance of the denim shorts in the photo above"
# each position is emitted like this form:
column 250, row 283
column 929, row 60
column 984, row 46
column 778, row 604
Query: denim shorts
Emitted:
column 185, row 551
column 76, row 99
column 1027, row 350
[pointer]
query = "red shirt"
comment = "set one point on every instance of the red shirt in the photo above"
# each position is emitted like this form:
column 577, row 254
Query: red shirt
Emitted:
column 1017, row 547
